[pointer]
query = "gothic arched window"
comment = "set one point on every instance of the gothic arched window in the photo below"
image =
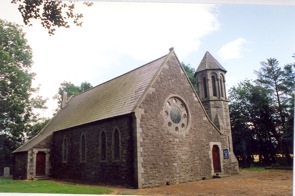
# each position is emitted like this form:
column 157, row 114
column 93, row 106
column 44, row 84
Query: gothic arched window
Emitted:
column 116, row 145
column 205, row 87
column 65, row 149
column 221, row 86
column 103, row 146
column 83, row 148
column 214, row 88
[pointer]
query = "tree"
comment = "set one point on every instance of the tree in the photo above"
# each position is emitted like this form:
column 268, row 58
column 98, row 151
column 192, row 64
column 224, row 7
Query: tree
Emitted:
column 52, row 14
column 252, row 123
column 71, row 90
column 16, row 102
column 262, row 113
column 37, row 127
column 289, row 75
column 190, row 72
column 280, row 84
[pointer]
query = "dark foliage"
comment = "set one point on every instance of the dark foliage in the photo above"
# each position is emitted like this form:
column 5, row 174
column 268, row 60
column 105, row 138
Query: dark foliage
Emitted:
column 51, row 13
column 262, row 113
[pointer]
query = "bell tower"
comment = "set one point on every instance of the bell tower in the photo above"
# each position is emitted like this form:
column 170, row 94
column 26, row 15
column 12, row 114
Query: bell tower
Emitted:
column 211, row 90
column 210, row 77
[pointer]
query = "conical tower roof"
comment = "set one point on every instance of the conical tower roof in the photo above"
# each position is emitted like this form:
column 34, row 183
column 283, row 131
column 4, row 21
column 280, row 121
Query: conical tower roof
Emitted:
column 209, row 63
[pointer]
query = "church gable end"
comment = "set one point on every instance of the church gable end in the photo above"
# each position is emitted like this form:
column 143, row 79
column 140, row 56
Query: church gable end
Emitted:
column 174, row 141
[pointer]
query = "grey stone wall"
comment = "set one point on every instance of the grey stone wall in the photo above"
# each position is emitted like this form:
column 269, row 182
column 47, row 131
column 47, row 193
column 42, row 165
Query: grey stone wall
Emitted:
column 46, row 143
column 20, row 165
column 165, row 156
column 93, row 169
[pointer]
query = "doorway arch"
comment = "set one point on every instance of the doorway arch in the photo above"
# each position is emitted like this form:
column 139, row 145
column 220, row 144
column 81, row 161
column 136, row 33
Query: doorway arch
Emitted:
column 216, row 159
column 40, row 163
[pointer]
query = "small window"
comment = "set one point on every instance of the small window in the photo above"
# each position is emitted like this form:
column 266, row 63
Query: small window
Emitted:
column 205, row 87
column 214, row 89
column 116, row 145
column 103, row 146
column 83, row 148
column 65, row 150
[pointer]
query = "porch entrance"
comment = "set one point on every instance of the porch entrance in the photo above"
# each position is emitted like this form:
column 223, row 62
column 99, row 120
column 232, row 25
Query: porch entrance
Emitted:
column 40, row 163
column 216, row 158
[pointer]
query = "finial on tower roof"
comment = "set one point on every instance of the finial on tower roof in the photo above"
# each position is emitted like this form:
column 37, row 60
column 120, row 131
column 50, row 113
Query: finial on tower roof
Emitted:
column 171, row 49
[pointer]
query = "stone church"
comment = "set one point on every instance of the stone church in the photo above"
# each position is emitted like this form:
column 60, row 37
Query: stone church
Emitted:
column 145, row 128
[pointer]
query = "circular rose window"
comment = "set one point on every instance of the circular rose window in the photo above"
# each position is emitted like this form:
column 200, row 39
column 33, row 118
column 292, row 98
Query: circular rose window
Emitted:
column 176, row 114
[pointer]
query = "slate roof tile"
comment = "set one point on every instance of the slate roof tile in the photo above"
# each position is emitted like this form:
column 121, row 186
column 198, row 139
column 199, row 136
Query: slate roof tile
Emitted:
column 116, row 97
column 209, row 62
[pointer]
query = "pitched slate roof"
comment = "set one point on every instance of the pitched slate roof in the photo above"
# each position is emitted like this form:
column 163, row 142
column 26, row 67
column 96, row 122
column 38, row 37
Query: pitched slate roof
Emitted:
column 116, row 97
column 209, row 62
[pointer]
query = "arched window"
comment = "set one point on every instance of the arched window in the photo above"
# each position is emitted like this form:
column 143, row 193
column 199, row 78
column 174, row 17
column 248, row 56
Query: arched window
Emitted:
column 205, row 86
column 103, row 146
column 224, row 90
column 83, row 148
column 116, row 145
column 65, row 150
column 221, row 86
column 214, row 89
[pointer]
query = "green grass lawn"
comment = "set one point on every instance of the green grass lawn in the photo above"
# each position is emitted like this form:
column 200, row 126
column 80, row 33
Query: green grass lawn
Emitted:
column 255, row 169
column 7, row 185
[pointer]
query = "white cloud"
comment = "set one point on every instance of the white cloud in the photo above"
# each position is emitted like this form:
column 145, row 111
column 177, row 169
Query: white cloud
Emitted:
column 111, row 31
column 144, row 30
column 233, row 49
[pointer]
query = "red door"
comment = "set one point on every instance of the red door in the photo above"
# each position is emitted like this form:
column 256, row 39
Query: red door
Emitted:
column 40, row 164
column 216, row 159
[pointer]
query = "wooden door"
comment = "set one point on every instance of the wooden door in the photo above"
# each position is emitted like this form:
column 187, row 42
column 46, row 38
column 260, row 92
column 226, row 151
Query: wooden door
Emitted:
column 216, row 159
column 40, row 164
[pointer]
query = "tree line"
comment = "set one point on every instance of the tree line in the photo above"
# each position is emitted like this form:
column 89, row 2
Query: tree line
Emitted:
column 262, row 115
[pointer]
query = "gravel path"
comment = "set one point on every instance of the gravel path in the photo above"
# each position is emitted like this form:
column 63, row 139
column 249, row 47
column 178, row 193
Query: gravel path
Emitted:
column 269, row 182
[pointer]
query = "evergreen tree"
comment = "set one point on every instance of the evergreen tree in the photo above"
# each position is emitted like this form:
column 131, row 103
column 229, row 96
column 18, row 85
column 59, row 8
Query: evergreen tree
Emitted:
column 280, row 84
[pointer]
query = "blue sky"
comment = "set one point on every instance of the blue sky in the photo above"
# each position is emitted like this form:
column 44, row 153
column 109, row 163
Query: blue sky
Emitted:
column 268, row 32
column 118, row 37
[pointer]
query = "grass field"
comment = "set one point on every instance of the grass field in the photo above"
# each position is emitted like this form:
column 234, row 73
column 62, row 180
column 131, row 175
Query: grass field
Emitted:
column 7, row 185
column 255, row 169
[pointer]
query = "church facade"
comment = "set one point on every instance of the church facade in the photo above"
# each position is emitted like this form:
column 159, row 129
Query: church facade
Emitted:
column 145, row 128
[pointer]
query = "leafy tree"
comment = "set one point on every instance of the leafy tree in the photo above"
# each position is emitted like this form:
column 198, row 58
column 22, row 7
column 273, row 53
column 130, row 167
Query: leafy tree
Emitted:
column 37, row 127
column 85, row 86
column 16, row 102
column 51, row 13
column 6, row 147
column 71, row 90
column 190, row 72
column 241, row 128
column 252, row 123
